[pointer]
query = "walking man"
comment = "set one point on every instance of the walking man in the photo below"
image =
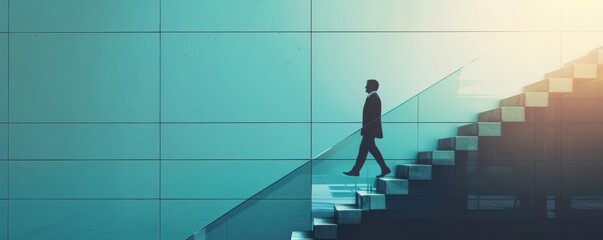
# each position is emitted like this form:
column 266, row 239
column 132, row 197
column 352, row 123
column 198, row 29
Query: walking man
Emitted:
column 371, row 129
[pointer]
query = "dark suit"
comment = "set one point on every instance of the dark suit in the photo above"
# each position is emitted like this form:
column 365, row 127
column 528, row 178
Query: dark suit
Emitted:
column 371, row 129
column 371, row 117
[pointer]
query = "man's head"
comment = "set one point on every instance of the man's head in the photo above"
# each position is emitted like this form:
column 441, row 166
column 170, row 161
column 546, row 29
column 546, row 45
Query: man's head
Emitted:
column 371, row 85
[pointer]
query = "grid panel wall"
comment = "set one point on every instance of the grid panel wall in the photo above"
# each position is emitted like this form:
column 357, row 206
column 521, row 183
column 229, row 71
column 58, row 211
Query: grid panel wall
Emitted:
column 235, row 15
column 83, row 122
column 84, row 218
column 450, row 15
column 84, row 77
column 4, row 77
column 235, row 77
column 577, row 16
column 189, row 179
column 84, row 179
column 101, row 93
column 4, row 119
column 4, row 219
column 49, row 141
column 4, row 16
column 97, row 88
column 37, row 16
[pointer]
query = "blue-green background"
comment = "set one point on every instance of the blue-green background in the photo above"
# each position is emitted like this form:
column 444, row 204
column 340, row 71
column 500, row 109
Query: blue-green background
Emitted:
column 150, row 119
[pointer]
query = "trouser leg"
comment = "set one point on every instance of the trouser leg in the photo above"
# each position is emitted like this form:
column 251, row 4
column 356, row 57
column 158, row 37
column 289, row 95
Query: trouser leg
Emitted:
column 377, row 154
column 368, row 145
column 362, row 153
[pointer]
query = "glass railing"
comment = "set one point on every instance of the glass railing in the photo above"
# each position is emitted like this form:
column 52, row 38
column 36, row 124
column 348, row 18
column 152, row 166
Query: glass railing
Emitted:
column 413, row 126
column 434, row 113
column 281, row 205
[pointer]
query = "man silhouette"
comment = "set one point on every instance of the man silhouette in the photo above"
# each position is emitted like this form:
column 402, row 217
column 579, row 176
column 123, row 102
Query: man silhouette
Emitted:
column 371, row 129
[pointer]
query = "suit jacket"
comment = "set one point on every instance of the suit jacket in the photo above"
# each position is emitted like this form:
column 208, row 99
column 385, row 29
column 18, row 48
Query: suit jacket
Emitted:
column 371, row 117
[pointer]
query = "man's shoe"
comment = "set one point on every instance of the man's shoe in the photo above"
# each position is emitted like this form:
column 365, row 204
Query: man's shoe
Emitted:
column 350, row 173
column 383, row 173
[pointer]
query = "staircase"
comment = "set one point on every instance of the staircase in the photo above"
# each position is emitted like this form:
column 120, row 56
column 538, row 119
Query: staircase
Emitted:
column 437, row 164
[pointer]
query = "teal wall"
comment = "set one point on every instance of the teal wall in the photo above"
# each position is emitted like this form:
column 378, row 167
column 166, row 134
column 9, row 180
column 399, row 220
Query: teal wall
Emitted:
column 118, row 131
column 3, row 119
column 150, row 119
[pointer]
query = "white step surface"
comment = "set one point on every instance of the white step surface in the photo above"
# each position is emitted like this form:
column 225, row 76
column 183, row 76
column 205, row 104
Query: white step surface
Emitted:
column 370, row 201
column 594, row 57
column 438, row 158
column 414, row 171
column 324, row 228
column 347, row 214
column 552, row 85
column 577, row 70
column 482, row 129
column 503, row 114
column 392, row 186
column 527, row 99
column 459, row 143
column 301, row 235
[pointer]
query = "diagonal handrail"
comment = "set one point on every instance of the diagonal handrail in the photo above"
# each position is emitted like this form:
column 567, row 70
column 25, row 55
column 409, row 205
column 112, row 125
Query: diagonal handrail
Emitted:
column 329, row 151
column 257, row 194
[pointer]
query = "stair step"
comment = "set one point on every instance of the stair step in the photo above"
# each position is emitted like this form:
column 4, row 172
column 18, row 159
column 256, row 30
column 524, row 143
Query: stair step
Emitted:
column 527, row 99
column 347, row 214
column 392, row 186
column 414, row 171
column 301, row 235
column 503, row 114
column 324, row 228
column 552, row 85
column 594, row 57
column 370, row 201
column 458, row 143
column 440, row 158
column 577, row 70
column 482, row 129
